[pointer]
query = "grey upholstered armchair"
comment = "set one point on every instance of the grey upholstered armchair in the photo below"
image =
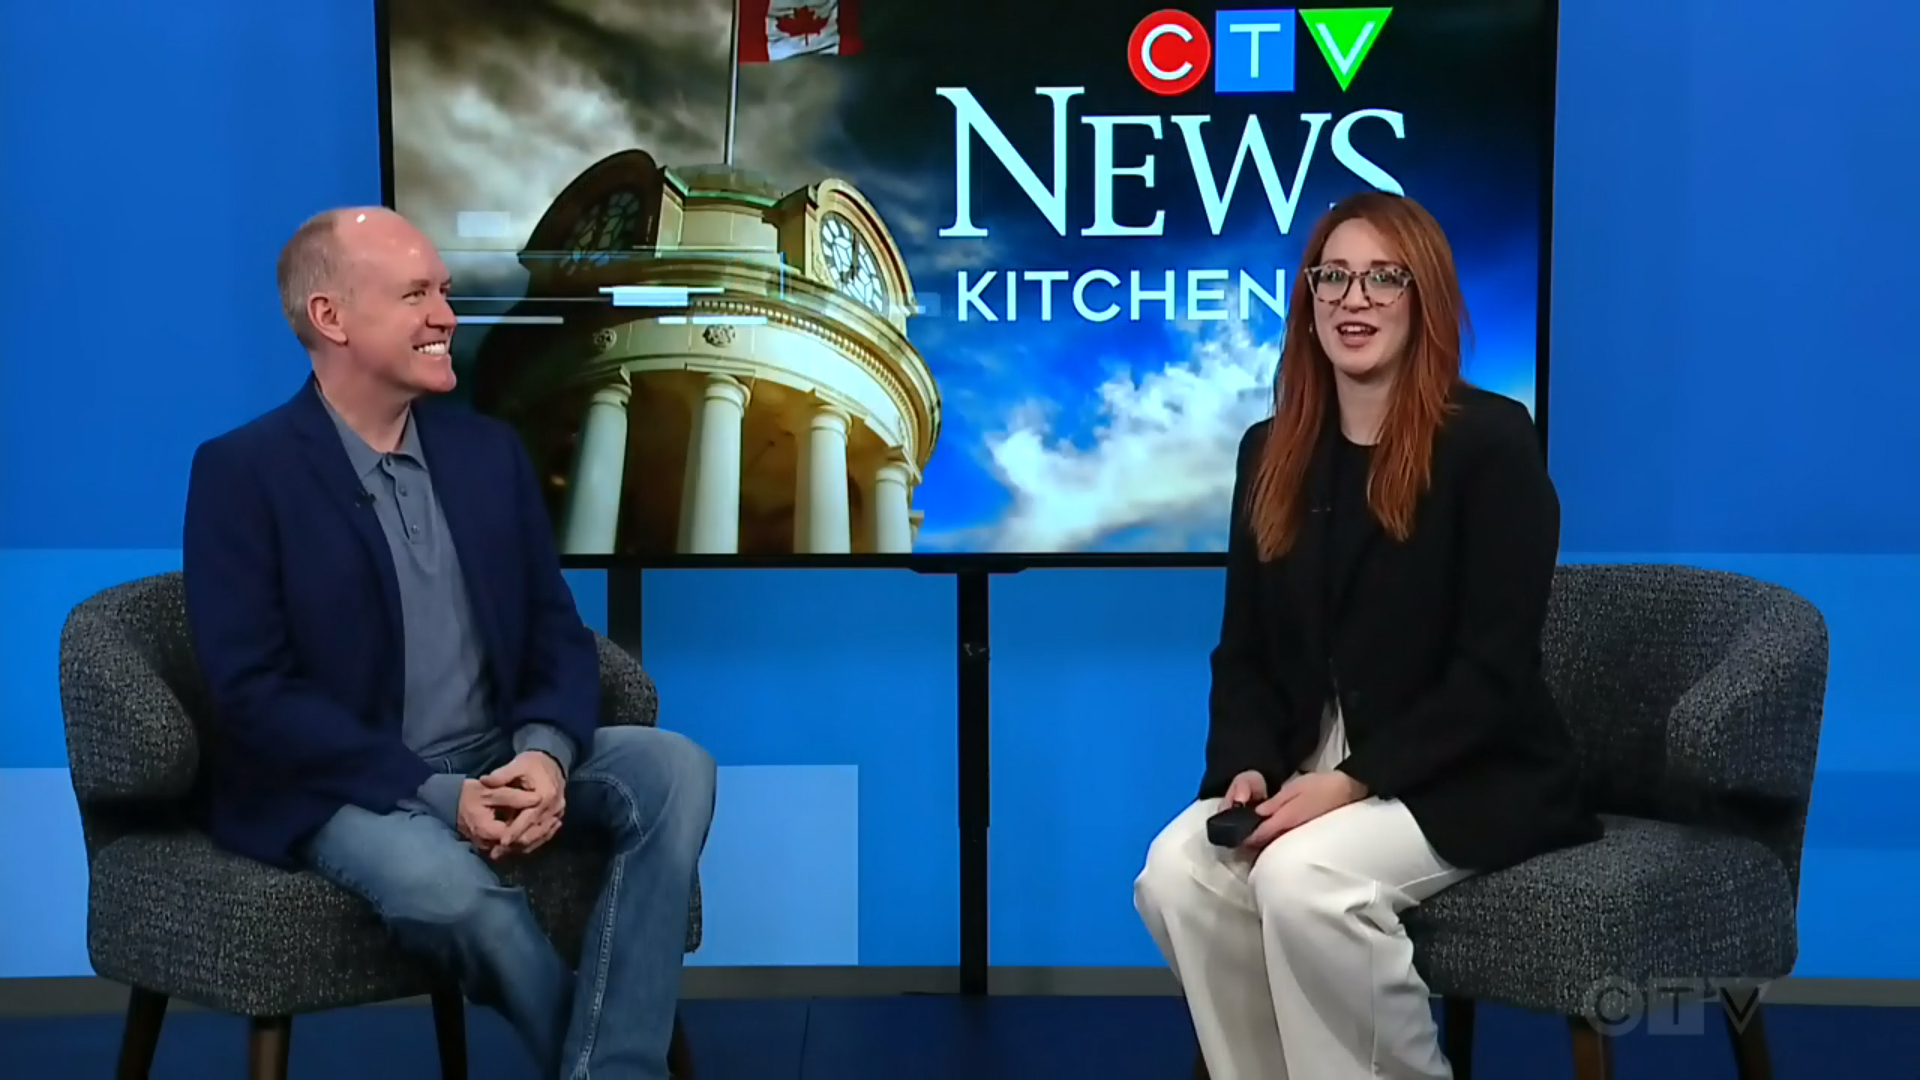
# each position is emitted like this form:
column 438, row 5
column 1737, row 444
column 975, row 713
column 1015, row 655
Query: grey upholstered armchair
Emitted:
column 1695, row 697
column 172, row 916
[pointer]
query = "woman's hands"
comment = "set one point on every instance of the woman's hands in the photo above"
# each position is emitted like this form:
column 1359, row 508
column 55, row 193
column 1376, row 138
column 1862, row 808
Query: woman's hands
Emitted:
column 1298, row 801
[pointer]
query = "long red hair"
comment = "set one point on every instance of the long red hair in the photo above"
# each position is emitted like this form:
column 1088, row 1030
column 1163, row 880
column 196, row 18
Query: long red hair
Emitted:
column 1423, row 385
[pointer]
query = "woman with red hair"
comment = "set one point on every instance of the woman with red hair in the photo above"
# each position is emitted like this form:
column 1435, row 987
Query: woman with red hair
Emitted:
column 1379, row 723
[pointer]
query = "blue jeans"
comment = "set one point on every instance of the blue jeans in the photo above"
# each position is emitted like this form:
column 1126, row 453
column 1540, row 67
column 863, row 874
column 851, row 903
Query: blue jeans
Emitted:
column 651, row 793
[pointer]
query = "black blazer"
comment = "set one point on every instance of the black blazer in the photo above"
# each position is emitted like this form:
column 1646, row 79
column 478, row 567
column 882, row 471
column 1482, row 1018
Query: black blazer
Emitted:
column 1434, row 643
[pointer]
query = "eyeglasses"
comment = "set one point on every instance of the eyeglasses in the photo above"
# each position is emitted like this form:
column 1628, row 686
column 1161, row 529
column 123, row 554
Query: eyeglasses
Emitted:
column 1382, row 285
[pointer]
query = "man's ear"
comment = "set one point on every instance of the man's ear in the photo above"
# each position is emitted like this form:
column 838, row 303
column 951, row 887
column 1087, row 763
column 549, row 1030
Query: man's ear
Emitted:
column 327, row 313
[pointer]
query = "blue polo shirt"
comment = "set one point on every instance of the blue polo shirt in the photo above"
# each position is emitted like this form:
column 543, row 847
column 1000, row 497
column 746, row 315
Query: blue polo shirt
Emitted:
column 449, row 697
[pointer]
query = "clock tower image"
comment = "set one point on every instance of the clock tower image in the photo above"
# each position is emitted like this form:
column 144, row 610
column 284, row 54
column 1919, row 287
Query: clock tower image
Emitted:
column 707, row 364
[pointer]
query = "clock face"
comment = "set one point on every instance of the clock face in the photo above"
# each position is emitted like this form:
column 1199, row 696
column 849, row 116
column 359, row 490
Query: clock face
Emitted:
column 836, row 247
column 864, row 284
column 850, row 263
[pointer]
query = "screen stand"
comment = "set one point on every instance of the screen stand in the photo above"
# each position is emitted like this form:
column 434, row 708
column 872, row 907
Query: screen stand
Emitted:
column 623, row 609
column 975, row 692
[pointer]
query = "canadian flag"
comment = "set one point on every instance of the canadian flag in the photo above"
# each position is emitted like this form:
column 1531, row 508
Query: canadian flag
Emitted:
column 773, row 30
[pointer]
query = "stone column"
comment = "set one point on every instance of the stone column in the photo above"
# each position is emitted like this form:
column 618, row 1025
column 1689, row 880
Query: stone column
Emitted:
column 802, row 496
column 825, row 486
column 599, row 469
column 892, row 520
column 689, row 483
column 711, row 523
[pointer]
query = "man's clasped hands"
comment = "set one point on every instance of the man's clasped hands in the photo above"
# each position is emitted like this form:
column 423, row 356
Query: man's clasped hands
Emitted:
column 515, row 808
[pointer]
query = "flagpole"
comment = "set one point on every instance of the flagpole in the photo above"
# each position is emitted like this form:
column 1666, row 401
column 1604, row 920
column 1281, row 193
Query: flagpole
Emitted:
column 733, row 82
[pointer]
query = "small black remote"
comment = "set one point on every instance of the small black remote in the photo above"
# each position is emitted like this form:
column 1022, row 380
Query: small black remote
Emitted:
column 1230, row 827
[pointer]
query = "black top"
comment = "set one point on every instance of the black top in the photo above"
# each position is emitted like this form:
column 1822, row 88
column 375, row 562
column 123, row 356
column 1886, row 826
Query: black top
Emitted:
column 1436, row 641
column 1348, row 515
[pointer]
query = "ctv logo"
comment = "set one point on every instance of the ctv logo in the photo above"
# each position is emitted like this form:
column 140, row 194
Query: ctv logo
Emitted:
column 1250, row 52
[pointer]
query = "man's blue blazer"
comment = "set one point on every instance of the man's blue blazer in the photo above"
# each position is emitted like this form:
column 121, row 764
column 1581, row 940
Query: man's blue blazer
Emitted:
column 295, row 613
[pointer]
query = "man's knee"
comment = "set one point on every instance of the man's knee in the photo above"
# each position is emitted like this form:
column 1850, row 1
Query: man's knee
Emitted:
column 659, row 776
column 688, row 761
column 639, row 754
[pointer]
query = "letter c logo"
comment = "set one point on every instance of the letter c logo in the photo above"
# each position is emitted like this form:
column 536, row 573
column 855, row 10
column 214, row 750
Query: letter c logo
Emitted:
column 1169, row 52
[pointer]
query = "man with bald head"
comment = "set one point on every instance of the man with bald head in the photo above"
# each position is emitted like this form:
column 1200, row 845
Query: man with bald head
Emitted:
column 403, row 692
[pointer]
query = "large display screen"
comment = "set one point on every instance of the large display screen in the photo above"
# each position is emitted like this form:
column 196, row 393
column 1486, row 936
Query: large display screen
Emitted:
column 802, row 278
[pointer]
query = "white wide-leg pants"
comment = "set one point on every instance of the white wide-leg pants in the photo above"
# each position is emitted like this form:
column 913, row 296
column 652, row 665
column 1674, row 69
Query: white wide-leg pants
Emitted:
column 1294, row 964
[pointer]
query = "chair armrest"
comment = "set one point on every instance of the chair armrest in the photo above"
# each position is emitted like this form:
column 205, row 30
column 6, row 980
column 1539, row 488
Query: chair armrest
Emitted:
column 1751, row 726
column 627, row 693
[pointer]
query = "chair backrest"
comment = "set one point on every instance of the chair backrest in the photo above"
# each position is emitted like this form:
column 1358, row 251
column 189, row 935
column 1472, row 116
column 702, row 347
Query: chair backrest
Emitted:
column 134, row 703
column 1694, row 696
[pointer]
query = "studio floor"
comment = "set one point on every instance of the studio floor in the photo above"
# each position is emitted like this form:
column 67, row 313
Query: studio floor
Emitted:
column 946, row 1038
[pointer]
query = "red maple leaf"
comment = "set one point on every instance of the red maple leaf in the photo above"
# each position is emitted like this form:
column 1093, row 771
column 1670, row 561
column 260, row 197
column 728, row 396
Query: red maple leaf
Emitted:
column 801, row 22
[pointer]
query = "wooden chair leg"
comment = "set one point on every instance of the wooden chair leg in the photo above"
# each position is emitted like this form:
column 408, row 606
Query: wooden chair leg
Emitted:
column 1750, row 1056
column 679, row 1053
column 1592, row 1051
column 146, row 1011
column 450, row 1031
column 269, row 1044
column 1456, row 1035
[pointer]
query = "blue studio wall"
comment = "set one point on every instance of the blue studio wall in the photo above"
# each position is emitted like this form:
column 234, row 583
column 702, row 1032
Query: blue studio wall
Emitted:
column 1730, row 387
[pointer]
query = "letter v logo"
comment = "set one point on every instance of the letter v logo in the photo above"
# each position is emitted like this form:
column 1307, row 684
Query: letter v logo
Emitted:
column 1742, row 1004
column 1345, row 35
